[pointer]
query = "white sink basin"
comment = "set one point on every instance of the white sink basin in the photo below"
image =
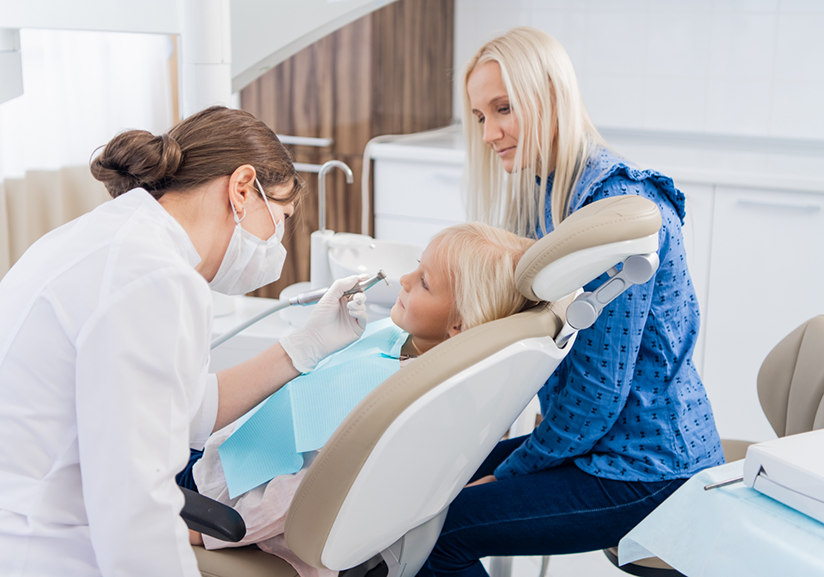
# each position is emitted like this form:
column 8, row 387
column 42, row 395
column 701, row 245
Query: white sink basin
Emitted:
column 354, row 254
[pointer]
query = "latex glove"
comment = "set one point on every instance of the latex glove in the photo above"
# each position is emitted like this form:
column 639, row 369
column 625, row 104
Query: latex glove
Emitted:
column 335, row 322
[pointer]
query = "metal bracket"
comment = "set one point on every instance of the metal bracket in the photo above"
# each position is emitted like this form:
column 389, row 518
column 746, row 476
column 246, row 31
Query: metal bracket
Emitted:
column 584, row 310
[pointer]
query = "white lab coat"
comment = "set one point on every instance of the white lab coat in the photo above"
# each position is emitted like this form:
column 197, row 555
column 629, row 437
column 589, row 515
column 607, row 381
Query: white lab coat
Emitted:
column 104, row 349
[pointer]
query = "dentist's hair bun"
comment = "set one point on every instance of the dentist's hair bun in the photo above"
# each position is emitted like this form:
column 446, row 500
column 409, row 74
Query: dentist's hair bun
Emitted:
column 137, row 159
column 208, row 145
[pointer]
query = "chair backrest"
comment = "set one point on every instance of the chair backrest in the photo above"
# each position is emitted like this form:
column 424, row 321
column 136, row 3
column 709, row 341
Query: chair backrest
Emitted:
column 411, row 445
column 383, row 471
column 791, row 381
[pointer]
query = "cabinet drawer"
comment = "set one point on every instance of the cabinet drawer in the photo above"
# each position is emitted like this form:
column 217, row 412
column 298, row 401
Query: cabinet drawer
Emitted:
column 765, row 280
column 419, row 190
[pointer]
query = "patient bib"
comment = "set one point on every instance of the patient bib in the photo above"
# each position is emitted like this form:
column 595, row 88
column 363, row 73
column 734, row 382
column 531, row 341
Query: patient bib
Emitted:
column 300, row 417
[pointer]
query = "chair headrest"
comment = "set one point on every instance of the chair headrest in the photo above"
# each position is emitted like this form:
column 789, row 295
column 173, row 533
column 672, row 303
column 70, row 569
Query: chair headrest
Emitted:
column 602, row 233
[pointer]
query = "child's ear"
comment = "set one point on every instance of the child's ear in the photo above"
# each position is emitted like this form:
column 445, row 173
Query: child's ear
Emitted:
column 454, row 330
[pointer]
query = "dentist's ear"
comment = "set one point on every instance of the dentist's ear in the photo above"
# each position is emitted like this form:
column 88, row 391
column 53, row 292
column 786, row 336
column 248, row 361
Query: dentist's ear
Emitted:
column 241, row 186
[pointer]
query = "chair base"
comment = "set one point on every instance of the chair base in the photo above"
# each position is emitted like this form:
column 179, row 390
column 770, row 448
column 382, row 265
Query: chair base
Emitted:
column 652, row 567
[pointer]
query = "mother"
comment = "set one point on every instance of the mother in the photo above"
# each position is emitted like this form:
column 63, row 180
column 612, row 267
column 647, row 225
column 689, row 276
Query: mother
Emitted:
column 625, row 416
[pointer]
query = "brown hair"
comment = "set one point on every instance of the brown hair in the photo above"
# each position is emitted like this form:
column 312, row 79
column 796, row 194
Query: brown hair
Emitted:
column 207, row 145
column 480, row 261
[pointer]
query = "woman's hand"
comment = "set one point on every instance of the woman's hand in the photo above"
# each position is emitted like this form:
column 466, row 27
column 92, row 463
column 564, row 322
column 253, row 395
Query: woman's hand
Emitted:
column 336, row 321
column 483, row 481
column 195, row 538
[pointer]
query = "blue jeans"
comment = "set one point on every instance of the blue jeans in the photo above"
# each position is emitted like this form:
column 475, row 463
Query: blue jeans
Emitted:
column 185, row 478
column 556, row 511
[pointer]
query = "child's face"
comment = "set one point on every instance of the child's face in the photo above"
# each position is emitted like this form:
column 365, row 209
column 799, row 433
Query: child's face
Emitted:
column 425, row 301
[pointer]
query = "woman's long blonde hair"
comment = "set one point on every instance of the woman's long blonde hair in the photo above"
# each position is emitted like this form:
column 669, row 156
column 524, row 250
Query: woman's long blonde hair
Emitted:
column 538, row 77
column 480, row 262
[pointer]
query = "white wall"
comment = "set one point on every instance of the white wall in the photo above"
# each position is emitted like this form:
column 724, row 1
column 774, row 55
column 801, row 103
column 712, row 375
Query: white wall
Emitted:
column 82, row 88
column 737, row 67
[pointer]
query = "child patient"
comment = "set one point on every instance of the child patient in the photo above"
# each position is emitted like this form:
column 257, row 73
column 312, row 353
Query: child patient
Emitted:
column 466, row 277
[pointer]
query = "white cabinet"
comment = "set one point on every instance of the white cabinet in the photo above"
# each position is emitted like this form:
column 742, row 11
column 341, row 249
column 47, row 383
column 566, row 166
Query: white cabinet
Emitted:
column 418, row 188
column 766, row 278
column 697, row 232
column 425, row 198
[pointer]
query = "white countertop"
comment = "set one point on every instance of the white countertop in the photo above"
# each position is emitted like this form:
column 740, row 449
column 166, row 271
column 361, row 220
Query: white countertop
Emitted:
column 768, row 163
column 442, row 146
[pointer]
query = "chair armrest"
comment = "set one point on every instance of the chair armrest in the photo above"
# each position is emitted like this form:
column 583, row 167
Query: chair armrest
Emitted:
column 212, row 518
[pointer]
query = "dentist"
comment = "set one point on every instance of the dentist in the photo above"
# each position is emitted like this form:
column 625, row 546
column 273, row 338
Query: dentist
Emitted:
column 104, row 346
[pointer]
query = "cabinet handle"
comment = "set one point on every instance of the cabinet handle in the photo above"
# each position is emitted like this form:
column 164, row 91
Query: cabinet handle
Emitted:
column 808, row 208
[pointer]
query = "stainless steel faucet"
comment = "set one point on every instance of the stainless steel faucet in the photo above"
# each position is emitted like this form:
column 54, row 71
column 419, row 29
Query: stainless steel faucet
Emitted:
column 327, row 166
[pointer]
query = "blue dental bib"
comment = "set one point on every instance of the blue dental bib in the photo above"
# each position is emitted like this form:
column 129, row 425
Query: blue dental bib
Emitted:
column 300, row 417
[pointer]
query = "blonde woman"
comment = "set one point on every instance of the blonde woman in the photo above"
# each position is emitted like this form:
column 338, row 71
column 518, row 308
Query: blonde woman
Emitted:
column 625, row 416
column 466, row 277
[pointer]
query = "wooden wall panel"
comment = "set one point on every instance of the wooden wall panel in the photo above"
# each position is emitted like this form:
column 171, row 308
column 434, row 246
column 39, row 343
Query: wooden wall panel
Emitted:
column 408, row 63
column 352, row 79
column 386, row 73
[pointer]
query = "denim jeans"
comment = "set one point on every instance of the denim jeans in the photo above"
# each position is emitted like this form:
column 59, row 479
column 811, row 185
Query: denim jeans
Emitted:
column 556, row 511
column 185, row 478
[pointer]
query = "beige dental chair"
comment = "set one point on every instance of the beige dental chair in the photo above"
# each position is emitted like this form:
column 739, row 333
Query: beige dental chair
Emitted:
column 790, row 387
column 375, row 498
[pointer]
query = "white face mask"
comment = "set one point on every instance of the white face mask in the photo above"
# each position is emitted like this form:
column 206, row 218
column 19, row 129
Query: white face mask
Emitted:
column 250, row 263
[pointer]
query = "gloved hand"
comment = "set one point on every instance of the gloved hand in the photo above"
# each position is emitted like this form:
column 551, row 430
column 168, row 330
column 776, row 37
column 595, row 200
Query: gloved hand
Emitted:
column 335, row 321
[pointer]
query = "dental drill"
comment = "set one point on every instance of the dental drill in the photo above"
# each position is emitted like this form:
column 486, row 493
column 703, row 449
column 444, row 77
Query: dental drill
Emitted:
column 303, row 299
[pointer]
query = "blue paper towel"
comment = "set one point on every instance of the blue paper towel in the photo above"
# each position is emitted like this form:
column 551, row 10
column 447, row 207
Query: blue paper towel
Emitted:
column 303, row 414
column 731, row 530
column 262, row 447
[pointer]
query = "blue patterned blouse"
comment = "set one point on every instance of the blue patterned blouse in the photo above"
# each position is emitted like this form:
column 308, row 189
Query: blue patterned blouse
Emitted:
column 627, row 403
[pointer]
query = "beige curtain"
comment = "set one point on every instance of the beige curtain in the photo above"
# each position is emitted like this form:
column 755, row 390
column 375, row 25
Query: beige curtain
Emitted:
column 41, row 201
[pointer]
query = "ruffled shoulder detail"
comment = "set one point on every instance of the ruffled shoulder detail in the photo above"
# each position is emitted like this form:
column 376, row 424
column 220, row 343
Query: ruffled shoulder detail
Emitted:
column 605, row 165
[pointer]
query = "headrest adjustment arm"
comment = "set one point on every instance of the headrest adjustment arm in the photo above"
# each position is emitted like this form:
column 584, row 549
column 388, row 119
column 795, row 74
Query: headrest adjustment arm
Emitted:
column 583, row 311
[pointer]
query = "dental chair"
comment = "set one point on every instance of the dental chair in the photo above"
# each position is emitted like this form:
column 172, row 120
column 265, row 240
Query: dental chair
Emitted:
column 790, row 386
column 375, row 498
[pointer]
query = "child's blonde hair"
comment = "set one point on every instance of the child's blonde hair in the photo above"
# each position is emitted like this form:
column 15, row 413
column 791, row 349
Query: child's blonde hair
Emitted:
column 480, row 262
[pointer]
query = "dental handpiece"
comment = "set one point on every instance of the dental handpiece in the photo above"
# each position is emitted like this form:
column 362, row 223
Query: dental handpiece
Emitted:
column 303, row 299
column 313, row 296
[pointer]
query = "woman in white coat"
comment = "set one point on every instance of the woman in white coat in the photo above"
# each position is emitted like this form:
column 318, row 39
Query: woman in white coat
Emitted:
column 104, row 346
